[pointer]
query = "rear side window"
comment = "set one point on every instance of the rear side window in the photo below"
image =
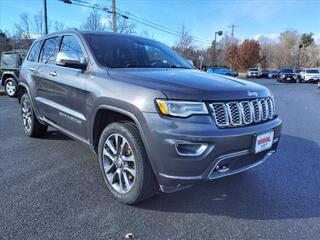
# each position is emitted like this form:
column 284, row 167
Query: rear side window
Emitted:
column 32, row 57
column 49, row 50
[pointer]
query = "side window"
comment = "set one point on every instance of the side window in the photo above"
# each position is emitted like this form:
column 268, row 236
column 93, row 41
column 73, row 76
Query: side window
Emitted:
column 49, row 50
column 71, row 49
column 32, row 57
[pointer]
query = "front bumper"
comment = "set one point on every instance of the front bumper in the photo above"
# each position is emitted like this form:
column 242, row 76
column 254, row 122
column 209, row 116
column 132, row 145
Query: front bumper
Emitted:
column 231, row 146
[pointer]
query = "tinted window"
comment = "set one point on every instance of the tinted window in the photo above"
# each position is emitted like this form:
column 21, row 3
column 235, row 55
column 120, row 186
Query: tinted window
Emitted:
column 32, row 57
column 71, row 47
column 123, row 52
column 312, row 71
column 49, row 50
column 287, row 70
column 253, row 69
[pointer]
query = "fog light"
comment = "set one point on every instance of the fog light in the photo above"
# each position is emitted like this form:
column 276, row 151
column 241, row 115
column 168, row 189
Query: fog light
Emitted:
column 191, row 149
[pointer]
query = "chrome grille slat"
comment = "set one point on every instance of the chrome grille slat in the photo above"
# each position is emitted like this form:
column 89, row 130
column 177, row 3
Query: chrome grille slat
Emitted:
column 235, row 114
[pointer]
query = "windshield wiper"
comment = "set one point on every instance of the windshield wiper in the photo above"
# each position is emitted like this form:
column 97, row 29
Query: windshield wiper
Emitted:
column 175, row 66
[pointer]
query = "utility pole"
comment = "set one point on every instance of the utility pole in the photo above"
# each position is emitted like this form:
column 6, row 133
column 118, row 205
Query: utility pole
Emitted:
column 114, row 19
column 214, row 46
column 299, row 53
column 232, row 29
column 45, row 17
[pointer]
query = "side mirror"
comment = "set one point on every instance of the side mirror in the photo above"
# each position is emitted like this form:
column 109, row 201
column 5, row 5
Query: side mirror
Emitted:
column 71, row 60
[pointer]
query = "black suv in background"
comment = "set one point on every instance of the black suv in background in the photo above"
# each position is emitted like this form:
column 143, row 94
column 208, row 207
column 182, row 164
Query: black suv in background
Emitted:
column 9, row 70
column 287, row 75
column 154, row 121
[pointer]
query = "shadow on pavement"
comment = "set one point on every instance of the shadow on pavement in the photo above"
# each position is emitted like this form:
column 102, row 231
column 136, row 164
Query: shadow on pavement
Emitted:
column 281, row 188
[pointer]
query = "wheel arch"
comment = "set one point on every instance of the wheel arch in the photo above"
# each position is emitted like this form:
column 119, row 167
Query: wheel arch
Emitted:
column 6, row 75
column 106, row 114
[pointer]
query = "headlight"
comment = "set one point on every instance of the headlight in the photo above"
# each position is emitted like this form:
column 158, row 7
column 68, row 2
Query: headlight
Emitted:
column 295, row 76
column 181, row 108
column 282, row 76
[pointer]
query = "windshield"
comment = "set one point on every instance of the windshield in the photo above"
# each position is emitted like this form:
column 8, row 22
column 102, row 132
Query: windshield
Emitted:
column 253, row 69
column 287, row 70
column 312, row 71
column 130, row 52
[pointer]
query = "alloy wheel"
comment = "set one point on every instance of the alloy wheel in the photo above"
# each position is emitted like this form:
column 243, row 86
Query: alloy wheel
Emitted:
column 10, row 88
column 26, row 114
column 119, row 163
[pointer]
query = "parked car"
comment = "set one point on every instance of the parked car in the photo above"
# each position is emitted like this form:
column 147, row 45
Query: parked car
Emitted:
column 297, row 72
column 264, row 73
column 223, row 71
column 310, row 75
column 9, row 70
column 273, row 74
column 253, row 72
column 287, row 75
column 153, row 120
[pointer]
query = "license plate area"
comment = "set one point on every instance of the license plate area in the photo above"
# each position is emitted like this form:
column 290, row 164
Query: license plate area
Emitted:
column 263, row 141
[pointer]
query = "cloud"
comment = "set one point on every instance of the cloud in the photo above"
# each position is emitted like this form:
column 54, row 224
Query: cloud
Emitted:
column 272, row 36
column 317, row 38
column 105, row 21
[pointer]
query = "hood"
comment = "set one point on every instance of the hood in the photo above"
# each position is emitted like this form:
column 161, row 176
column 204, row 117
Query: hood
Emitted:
column 189, row 84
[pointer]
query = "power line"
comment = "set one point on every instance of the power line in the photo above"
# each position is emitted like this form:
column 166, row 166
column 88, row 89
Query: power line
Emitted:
column 132, row 17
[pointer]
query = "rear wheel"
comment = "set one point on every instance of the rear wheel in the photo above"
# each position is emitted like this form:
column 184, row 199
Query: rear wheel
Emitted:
column 31, row 125
column 124, row 163
column 10, row 87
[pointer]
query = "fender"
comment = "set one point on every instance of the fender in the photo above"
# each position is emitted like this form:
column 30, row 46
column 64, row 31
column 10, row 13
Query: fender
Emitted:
column 136, row 121
column 12, row 73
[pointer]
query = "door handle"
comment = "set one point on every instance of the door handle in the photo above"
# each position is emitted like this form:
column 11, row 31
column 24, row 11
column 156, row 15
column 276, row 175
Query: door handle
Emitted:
column 53, row 74
column 31, row 69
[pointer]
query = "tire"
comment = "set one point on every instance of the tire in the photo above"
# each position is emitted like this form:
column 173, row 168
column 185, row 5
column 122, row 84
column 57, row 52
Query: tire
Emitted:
column 132, row 186
column 10, row 87
column 31, row 125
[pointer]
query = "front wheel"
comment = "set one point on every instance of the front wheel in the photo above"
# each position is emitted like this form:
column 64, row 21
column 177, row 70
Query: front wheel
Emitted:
column 10, row 87
column 124, row 163
column 31, row 125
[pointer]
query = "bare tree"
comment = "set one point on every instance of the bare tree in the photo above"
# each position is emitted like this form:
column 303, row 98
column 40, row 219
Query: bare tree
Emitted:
column 93, row 23
column 37, row 24
column 184, row 44
column 124, row 26
column 185, row 40
column 23, row 28
column 58, row 26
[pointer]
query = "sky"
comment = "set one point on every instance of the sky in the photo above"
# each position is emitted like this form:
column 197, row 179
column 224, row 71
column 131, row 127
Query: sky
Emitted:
column 202, row 18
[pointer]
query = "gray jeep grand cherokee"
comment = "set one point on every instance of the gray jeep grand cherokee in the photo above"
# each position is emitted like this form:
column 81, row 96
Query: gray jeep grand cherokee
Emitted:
column 154, row 121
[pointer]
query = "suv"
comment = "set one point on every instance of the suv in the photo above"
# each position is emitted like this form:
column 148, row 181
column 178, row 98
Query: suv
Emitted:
column 9, row 70
column 154, row 121
column 309, row 75
column 287, row 75
column 253, row 72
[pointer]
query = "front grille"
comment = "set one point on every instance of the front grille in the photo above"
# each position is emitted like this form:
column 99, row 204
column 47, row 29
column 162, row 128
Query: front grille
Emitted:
column 235, row 114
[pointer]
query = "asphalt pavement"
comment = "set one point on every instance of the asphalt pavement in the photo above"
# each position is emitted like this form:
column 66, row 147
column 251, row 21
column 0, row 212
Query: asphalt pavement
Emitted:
column 52, row 188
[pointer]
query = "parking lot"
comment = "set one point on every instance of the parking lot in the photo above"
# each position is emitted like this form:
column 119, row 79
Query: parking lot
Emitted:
column 52, row 188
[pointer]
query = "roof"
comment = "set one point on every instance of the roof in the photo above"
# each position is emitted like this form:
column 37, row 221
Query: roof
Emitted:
column 85, row 32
